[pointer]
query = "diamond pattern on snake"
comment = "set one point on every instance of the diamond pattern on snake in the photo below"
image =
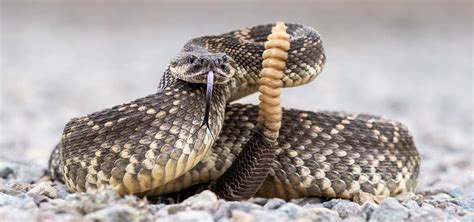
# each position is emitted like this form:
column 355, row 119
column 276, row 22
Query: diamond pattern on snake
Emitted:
column 157, row 144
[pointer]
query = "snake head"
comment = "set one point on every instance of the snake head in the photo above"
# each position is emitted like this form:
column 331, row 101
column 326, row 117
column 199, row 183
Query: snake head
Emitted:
column 193, row 67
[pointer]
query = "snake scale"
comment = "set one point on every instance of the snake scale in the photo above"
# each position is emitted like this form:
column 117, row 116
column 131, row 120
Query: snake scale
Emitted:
column 156, row 144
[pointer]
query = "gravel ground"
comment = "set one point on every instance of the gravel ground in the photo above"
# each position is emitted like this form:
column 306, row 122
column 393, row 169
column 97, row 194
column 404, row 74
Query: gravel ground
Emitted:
column 406, row 60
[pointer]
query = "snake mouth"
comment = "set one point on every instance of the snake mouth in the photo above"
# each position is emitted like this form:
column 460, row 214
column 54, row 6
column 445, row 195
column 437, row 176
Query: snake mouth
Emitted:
column 220, row 77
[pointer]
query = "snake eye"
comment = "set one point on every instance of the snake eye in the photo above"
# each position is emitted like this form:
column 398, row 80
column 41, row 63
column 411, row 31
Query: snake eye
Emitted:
column 192, row 59
column 224, row 58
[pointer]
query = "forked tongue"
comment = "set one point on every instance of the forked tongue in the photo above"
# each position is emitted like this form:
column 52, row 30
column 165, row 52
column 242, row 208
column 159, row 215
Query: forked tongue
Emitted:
column 207, row 110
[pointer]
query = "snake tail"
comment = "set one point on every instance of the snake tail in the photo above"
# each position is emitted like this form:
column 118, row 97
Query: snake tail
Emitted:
column 251, row 167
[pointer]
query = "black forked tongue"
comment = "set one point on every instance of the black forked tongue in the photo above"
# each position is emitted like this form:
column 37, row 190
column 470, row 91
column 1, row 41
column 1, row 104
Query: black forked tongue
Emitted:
column 207, row 110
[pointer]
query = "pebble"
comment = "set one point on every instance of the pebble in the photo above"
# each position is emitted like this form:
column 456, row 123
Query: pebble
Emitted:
column 17, row 213
column 274, row 216
column 20, row 172
column 410, row 204
column 259, row 200
column 348, row 209
column 189, row 216
column 21, row 201
column 427, row 214
column 115, row 213
column 205, row 200
column 323, row 215
column 274, row 203
column 354, row 219
column 390, row 210
column 291, row 209
column 6, row 172
column 241, row 216
column 331, row 203
column 308, row 201
column 223, row 211
column 466, row 202
column 368, row 208
column 45, row 189
column 243, row 206
column 48, row 215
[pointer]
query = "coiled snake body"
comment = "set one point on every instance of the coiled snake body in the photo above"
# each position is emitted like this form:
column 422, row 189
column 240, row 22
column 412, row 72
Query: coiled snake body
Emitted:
column 157, row 145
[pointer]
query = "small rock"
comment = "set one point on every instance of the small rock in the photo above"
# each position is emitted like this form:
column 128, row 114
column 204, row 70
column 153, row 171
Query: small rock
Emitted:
column 205, row 200
column 6, row 172
column 10, row 191
column 241, row 216
column 58, row 204
column 21, row 201
column 468, row 218
column 449, row 208
column 354, row 219
column 302, row 220
column 440, row 196
column 427, row 205
column 427, row 214
column 156, row 207
column 324, row 215
column 258, row 200
column 309, row 206
column 38, row 198
column 62, row 190
column 466, row 202
column 21, row 172
column 331, row 203
column 48, row 215
column 242, row 205
column 222, row 211
column 456, row 191
column 368, row 208
column 17, row 213
column 410, row 204
column 347, row 209
column 45, row 189
column 274, row 203
column 189, row 216
column 291, row 209
column 21, row 187
column 273, row 216
column 410, row 196
column 390, row 210
column 115, row 213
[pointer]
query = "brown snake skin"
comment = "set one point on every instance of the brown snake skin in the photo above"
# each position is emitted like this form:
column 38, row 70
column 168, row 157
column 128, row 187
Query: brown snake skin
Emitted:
column 154, row 145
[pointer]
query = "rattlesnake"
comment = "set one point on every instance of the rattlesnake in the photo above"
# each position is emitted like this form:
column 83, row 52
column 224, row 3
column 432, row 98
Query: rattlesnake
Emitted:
column 156, row 145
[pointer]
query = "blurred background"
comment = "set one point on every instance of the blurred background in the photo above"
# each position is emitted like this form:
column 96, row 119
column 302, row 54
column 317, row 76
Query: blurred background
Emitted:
column 406, row 60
